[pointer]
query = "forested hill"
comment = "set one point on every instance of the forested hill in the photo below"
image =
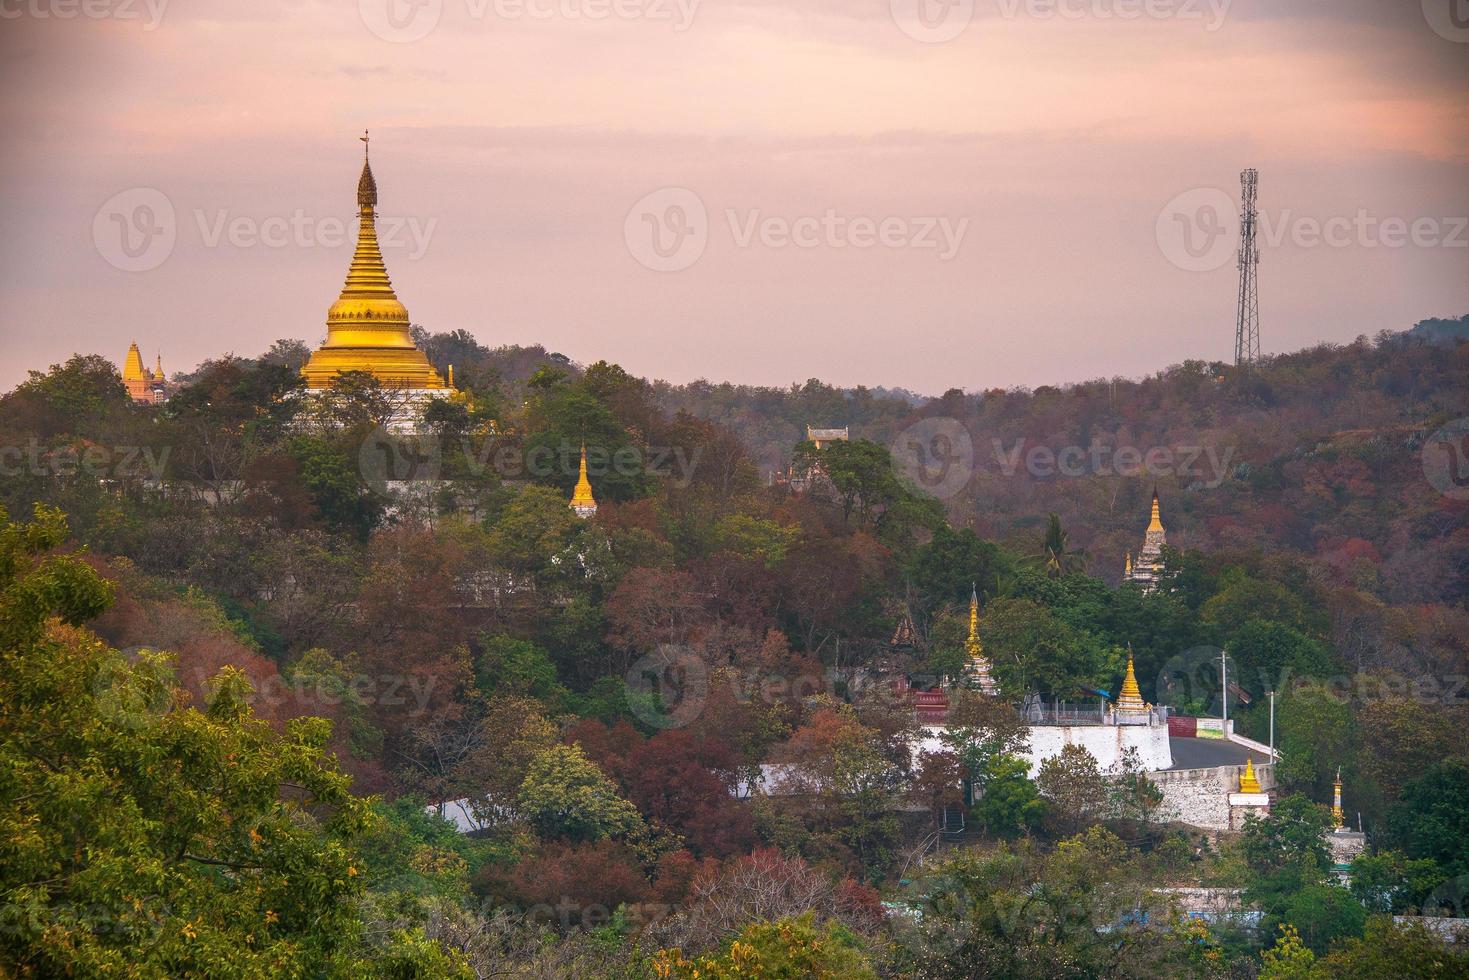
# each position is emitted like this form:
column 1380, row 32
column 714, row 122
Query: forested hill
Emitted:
column 1321, row 452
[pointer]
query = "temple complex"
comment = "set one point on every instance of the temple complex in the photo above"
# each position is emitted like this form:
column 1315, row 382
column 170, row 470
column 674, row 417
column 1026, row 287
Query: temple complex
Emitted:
column 1148, row 566
column 368, row 328
column 148, row 387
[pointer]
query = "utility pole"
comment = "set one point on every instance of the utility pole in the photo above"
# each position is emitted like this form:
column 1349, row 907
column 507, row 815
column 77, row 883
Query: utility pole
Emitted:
column 1247, row 316
column 1224, row 689
column 1272, row 726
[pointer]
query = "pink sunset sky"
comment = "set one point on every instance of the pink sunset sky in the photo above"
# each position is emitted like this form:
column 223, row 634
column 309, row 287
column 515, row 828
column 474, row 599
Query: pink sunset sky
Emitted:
column 928, row 194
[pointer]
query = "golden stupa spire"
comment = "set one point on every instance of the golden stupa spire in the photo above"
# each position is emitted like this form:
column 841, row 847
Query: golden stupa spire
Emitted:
column 582, row 500
column 977, row 665
column 1130, row 701
column 367, row 327
column 1248, row 783
column 158, row 367
column 1156, row 522
column 972, row 644
column 1336, row 814
column 132, row 365
column 1127, row 568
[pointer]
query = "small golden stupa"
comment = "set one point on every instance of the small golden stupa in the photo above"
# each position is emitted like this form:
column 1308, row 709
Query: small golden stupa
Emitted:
column 367, row 327
column 582, row 501
column 1248, row 782
column 1131, row 708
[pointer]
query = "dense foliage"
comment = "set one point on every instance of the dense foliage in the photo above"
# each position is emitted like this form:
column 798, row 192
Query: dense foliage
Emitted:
column 597, row 696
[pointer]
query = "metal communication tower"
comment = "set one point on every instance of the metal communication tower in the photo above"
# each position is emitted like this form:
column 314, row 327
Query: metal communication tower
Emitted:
column 1247, row 321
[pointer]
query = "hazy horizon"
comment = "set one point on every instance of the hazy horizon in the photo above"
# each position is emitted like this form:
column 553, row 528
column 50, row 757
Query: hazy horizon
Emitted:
column 1022, row 203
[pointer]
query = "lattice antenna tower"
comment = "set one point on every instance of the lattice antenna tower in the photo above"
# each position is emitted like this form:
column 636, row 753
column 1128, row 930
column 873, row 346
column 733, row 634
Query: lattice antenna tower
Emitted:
column 1247, row 320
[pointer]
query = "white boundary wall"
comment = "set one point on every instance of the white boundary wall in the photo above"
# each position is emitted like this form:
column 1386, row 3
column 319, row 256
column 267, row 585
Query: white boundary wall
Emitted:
column 1105, row 742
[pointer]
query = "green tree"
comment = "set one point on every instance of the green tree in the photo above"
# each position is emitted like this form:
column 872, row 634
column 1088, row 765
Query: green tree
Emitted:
column 1055, row 555
column 1432, row 818
column 143, row 837
column 1010, row 802
column 1390, row 881
column 786, row 948
column 1289, row 958
column 565, row 795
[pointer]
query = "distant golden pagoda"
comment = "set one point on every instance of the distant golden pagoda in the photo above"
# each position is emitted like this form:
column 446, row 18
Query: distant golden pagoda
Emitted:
column 1131, row 708
column 582, row 500
column 143, row 385
column 1336, row 812
column 976, row 664
column 367, row 327
column 1148, row 567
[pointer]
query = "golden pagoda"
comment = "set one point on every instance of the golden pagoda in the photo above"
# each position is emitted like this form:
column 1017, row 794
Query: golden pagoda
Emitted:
column 1148, row 567
column 367, row 327
column 1131, row 709
column 143, row 385
column 1248, row 783
column 1336, row 813
column 977, row 665
column 582, row 500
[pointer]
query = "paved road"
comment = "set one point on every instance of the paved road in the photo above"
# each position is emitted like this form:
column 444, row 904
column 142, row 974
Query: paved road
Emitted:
column 1205, row 753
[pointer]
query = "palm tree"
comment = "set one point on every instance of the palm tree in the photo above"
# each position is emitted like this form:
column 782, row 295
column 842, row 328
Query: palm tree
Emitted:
column 1054, row 556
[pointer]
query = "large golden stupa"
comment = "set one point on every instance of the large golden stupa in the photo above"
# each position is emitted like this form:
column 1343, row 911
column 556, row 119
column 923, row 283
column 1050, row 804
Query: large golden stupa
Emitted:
column 367, row 328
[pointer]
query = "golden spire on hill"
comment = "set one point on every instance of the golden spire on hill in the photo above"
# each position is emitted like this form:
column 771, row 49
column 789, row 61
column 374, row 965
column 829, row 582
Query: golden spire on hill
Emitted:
column 1130, row 702
column 132, row 365
column 1247, row 781
column 977, row 665
column 1127, row 569
column 1336, row 814
column 158, row 367
column 582, row 500
column 1156, row 523
column 367, row 327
